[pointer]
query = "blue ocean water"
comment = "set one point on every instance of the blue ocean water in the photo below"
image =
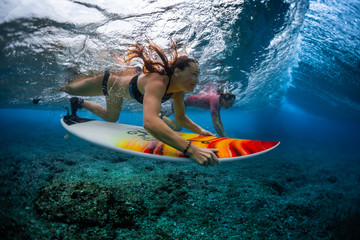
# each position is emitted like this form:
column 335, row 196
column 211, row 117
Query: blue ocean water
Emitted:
column 294, row 66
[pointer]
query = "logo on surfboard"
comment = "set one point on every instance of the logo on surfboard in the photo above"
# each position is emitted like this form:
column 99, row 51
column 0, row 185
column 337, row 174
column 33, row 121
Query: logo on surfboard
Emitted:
column 143, row 134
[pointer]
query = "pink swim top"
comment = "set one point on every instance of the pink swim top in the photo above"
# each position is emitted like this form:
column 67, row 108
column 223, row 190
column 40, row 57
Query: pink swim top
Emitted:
column 208, row 100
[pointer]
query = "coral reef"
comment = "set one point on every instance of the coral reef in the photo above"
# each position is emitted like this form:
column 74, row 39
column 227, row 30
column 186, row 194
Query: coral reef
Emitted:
column 46, row 193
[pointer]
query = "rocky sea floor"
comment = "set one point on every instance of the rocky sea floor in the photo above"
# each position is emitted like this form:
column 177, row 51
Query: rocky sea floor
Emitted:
column 52, row 188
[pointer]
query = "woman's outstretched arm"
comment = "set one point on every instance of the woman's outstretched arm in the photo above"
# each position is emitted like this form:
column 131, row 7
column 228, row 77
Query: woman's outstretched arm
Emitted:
column 154, row 91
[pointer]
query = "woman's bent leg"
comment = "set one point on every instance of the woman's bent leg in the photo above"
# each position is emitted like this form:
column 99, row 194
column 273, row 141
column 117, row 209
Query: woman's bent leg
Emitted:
column 172, row 124
column 85, row 85
column 112, row 111
column 91, row 85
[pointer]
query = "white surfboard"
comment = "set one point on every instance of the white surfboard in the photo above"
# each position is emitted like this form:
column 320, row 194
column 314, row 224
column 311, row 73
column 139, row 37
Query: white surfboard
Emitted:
column 136, row 141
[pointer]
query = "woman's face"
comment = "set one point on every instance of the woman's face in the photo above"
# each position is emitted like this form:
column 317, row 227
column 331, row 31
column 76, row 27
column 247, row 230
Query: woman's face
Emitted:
column 190, row 76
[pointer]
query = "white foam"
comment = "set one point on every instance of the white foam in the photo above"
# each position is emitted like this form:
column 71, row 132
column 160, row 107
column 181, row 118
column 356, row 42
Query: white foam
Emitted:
column 57, row 10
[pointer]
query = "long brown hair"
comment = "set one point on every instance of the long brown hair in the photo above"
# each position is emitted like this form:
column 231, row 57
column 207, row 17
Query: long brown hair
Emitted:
column 165, row 66
column 226, row 95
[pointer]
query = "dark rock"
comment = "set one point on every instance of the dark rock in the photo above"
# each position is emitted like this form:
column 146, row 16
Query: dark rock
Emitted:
column 118, row 160
column 345, row 224
column 12, row 229
column 334, row 195
column 84, row 203
column 259, row 204
column 276, row 187
column 332, row 179
column 74, row 202
column 66, row 161
column 150, row 168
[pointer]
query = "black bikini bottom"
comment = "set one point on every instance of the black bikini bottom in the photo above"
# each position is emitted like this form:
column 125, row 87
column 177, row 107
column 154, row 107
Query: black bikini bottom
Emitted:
column 105, row 81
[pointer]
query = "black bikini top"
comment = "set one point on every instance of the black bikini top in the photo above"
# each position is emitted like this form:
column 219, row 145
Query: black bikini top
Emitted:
column 138, row 96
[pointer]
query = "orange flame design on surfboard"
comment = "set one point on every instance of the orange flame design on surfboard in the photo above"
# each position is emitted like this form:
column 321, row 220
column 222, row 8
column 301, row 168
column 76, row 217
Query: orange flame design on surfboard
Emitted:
column 228, row 147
